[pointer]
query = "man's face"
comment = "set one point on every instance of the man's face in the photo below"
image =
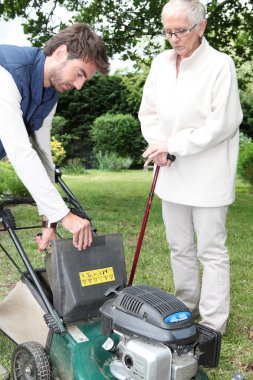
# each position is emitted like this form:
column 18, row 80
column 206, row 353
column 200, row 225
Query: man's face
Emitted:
column 65, row 74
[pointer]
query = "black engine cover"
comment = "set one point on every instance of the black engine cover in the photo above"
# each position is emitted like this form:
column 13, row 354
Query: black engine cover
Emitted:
column 146, row 311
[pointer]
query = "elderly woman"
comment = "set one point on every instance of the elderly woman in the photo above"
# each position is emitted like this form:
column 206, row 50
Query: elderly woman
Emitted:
column 191, row 109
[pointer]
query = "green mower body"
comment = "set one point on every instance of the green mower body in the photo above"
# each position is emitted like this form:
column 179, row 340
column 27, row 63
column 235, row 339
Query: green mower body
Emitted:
column 80, row 356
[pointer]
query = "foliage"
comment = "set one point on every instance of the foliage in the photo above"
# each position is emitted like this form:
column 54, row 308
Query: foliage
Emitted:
column 112, row 161
column 126, row 25
column 119, row 134
column 244, row 139
column 59, row 125
column 133, row 87
column 74, row 167
column 78, row 109
column 100, row 94
column 245, row 80
column 245, row 162
column 10, row 182
column 57, row 150
column 247, row 107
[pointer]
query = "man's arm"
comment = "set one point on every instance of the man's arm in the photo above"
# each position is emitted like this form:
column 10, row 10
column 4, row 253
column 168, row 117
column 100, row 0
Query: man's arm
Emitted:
column 30, row 169
column 40, row 140
column 21, row 154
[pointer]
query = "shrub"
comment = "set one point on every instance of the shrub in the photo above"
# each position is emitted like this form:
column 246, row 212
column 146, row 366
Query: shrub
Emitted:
column 58, row 152
column 58, row 124
column 244, row 138
column 112, row 161
column 245, row 162
column 60, row 131
column 247, row 107
column 74, row 167
column 118, row 134
column 10, row 182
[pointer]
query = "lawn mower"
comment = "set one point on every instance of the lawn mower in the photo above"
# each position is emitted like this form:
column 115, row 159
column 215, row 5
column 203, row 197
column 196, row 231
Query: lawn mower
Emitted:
column 79, row 319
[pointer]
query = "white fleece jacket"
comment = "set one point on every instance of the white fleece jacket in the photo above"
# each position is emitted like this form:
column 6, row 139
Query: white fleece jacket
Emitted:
column 198, row 113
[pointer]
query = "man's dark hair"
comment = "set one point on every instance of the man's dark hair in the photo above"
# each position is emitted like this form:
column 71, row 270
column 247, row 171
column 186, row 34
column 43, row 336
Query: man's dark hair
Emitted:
column 82, row 42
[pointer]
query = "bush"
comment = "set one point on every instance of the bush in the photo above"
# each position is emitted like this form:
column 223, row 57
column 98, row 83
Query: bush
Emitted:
column 112, row 161
column 10, row 182
column 101, row 94
column 58, row 152
column 74, row 167
column 60, row 131
column 244, row 138
column 247, row 107
column 118, row 134
column 245, row 162
column 58, row 124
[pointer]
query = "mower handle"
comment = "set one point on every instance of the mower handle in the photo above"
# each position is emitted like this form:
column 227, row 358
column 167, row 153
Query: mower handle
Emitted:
column 77, row 209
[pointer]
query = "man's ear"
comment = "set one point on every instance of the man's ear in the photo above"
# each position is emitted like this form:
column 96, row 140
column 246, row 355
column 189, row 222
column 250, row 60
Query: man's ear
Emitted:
column 61, row 52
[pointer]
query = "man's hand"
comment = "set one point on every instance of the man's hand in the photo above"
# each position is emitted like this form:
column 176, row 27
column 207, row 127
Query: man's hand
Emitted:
column 157, row 153
column 80, row 228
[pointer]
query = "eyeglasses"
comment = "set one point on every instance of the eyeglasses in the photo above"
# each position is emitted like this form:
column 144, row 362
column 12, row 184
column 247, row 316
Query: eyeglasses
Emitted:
column 180, row 34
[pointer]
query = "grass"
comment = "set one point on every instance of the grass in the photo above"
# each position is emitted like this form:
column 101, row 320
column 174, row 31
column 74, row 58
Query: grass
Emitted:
column 116, row 203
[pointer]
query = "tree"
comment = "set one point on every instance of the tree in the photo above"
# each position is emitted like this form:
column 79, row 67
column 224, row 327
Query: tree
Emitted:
column 133, row 87
column 124, row 24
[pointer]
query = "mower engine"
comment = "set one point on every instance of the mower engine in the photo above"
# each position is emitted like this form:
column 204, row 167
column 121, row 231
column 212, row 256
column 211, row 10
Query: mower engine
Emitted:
column 157, row 337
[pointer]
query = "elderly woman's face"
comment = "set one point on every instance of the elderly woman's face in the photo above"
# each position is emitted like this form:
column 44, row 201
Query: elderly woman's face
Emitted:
column 184, row 46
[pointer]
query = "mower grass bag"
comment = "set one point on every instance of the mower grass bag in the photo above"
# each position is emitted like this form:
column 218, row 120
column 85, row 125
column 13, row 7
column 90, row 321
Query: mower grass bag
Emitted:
column 80, row 279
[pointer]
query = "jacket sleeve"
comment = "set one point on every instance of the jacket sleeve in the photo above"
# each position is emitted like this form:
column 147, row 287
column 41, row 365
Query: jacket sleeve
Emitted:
column 40, row 140
column 221, row 124
column 148, row 117
column 22, row 155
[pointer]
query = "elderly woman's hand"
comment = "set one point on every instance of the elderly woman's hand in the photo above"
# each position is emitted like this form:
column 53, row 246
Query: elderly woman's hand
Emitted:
column 157, row 153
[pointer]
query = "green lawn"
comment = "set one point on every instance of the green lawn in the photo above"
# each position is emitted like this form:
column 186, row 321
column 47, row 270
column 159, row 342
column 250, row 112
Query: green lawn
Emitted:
column 116, row 203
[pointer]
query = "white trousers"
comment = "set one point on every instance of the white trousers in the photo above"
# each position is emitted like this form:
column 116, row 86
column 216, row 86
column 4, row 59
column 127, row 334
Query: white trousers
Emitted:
column 211, row 299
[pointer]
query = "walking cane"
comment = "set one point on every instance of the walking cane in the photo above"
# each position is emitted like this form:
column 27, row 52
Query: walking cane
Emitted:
column 172, row 158
column 143, row 227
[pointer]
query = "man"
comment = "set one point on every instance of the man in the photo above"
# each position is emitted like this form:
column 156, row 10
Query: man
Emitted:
column 191, row 109
column 31, row 79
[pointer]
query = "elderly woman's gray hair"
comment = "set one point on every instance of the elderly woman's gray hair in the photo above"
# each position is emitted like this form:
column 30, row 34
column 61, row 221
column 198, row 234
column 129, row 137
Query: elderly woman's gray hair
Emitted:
column 194, row 8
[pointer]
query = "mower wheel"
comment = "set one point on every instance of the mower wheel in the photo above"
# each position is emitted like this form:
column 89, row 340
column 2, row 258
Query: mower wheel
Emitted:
column 31, row 362
column 10, row 218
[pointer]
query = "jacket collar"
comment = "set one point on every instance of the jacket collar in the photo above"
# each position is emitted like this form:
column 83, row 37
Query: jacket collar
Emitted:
column 39, row 93
column 194, row 56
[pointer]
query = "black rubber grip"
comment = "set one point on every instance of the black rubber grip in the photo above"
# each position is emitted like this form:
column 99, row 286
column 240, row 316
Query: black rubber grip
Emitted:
column 171, row 157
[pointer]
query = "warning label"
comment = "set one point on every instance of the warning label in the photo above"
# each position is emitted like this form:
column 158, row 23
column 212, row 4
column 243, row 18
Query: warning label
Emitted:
column 77, row 334
column 97, row 276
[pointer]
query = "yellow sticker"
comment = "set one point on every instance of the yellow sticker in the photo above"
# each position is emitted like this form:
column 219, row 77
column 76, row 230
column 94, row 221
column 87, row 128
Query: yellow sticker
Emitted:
column 97, row 276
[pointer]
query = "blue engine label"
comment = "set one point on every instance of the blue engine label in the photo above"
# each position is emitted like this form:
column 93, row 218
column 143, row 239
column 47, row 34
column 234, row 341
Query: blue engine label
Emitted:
column 177, row 317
